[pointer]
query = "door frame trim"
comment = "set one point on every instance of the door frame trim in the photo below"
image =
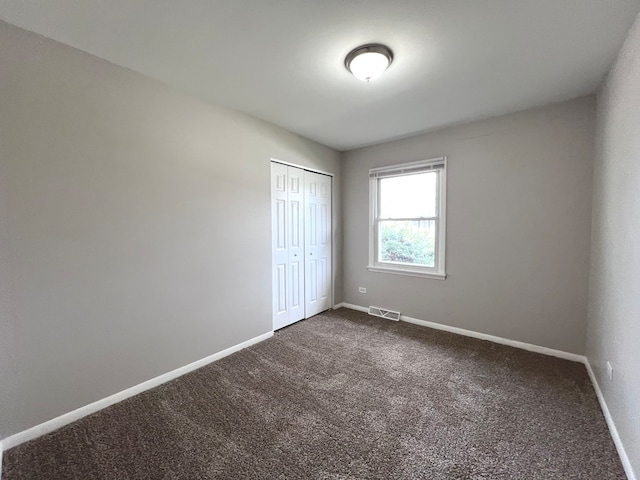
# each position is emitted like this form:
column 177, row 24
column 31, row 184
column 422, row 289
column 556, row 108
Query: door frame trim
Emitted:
column 314, row 170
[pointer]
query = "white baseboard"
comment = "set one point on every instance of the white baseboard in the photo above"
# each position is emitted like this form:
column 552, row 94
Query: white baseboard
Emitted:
column 67, row 418
column 574, row 357
column 482, row 336
column 626, row 464
column 352, row 307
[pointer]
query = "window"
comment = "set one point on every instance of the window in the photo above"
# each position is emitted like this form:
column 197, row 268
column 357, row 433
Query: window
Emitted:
column 407, row 218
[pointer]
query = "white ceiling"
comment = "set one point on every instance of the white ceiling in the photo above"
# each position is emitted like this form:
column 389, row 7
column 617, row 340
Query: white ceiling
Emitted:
column 282, row 60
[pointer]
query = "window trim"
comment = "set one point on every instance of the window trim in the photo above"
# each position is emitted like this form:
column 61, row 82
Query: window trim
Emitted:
column 375, row 174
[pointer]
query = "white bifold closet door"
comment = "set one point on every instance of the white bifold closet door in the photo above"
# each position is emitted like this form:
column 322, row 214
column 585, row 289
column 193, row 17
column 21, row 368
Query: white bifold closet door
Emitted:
column 301, row 238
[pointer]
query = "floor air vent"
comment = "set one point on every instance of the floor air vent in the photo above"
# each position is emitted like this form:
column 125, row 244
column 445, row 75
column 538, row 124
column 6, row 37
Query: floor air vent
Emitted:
column 383, row 313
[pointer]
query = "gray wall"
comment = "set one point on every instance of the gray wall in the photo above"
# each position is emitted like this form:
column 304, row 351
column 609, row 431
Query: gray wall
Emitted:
column 135, row 227
column 518, row 226
column 613, row 332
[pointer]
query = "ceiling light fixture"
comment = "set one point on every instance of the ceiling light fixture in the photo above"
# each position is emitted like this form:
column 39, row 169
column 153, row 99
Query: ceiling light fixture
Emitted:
column 367, row 62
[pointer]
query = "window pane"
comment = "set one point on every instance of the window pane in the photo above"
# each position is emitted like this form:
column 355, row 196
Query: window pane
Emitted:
column 410, row 242
column 408, row 196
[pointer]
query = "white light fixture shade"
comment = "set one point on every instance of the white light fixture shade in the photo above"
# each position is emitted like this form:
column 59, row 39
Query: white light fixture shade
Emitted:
column 368, row 61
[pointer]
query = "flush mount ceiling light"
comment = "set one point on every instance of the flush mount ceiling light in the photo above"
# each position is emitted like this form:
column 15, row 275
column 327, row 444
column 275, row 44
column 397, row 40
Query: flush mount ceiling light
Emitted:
column 367, row 62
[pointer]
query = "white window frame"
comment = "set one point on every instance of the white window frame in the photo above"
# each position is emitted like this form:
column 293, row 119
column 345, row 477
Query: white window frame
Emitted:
column 375, row 174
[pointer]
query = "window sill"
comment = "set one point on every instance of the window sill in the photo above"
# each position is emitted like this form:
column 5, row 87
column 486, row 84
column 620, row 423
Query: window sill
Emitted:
column 407, row 271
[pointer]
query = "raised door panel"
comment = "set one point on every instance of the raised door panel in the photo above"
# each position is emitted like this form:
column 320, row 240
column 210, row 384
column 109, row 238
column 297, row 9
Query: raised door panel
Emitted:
column 280, row 225
column 312, row 221
column 281, row 288
column 297, row 286
column 295, row 214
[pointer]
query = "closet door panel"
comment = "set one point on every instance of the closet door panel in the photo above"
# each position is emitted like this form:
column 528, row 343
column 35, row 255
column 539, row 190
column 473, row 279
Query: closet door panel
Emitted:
column 295, row 221
column 317, row 243
column 279, row 242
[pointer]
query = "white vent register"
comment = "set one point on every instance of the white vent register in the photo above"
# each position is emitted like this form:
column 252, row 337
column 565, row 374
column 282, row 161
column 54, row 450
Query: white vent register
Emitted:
column 384, row 313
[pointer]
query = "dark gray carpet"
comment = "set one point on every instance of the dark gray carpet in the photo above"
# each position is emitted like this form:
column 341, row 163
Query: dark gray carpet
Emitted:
column 345, row 396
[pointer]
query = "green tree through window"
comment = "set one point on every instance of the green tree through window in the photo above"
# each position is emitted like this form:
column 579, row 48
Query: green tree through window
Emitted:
column 408, row 242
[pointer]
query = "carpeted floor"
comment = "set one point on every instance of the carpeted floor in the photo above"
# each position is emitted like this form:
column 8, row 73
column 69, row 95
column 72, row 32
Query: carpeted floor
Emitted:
column 345, row 396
